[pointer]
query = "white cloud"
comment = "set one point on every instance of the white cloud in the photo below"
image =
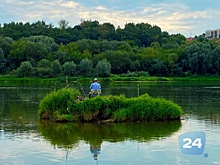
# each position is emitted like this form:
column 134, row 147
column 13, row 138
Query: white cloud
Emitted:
column 101, row 8
column 174, row 18
column 71, row 4
column 11, row 1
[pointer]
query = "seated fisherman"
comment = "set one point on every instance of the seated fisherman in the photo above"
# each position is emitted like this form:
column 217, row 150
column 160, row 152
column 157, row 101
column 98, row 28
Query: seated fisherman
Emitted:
column 95, row 88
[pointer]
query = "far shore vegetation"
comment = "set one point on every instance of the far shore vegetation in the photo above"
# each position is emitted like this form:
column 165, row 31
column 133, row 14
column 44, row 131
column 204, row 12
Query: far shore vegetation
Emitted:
column 137, row 52
column 112, row 78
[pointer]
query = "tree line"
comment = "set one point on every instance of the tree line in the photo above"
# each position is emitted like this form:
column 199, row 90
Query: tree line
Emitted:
column 93, row 49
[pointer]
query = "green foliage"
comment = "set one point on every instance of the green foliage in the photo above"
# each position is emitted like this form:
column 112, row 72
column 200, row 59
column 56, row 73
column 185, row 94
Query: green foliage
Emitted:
column 120, row 61
column 215, row 61
column 2, row 61
column 62, row 105
column 85, row 67
column 44, row 72
column 70, row 134
column 16, row 55
column 57, row 103
column 196, row 58
column 136, row 74
column 121, row 114
column 56, row 68
column 89, row 45
column 103, row 68
column 136, row 47
column 69, row 68
column 34, row 48
column 25, row 70
column 150, row 109
column 97, row 108
column 5, row 44
column 44, row 63
column 63, row 24
column 44, row 69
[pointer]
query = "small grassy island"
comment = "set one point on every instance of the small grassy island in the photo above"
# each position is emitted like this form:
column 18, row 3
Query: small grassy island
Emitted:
column 62, row 106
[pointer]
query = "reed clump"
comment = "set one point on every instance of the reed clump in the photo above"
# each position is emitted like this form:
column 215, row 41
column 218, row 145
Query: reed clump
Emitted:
column 63, row 105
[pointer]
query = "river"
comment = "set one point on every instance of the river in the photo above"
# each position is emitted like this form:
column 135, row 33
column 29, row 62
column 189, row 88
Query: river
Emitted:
column 25, row 139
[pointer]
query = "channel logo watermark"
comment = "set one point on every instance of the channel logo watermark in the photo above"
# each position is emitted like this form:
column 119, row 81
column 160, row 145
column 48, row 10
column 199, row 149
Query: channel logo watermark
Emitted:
column 193, row 143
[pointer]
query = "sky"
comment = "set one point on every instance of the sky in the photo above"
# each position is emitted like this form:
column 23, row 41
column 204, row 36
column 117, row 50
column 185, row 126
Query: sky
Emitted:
column 187, row 17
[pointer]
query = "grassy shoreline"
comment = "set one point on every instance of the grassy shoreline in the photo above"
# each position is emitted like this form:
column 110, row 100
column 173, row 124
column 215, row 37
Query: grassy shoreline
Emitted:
column 113, row 78
column 62, row 105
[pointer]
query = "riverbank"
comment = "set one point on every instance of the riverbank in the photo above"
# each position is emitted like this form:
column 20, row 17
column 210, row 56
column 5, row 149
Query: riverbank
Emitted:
column 112, row 78
column 62, row 106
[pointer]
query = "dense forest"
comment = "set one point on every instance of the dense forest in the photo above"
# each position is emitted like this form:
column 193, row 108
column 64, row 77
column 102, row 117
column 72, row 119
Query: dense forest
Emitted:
column 93, row 49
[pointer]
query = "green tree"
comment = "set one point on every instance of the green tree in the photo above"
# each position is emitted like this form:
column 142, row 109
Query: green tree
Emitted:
column 25, row 70
column 88, row 44
column 44, row 68
column 85, row 67
column 135, row 66
column 215, row 61
column 56, row 68
column 157, row 68
column 63, row 24
column 44, row 72
column 120, row 61
column 5, row 44
column 68, row 52
column 146, row 56
column 16, row 55
column 31, row 49
column 47, row 42
column 3, row 62
column 103, row 68
column 69, row 68
column 155, row 45
column 61, row 56
column 171, row 62
column 107, row 31
column 91, row 29
column 44, row 63
column 196, row 58
column 34, row 51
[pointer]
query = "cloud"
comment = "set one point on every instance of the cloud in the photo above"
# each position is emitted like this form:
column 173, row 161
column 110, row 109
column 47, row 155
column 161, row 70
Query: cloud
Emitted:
column 71, row 5
column 172, row 17
column 101, row 8
column 32, row 11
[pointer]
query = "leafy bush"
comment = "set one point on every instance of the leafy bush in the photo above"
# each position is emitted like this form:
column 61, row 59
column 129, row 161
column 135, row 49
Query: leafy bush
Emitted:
column 25, row 70
column 62, row 105
column 44, row 72
column 59, row 101
column 136, row 74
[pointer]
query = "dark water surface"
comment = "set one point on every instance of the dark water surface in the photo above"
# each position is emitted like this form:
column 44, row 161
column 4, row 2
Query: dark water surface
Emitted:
column 24, row 139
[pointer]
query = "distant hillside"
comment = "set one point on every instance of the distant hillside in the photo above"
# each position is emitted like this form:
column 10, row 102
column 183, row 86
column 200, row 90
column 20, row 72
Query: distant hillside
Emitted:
column 140, row 34
column 100, row 50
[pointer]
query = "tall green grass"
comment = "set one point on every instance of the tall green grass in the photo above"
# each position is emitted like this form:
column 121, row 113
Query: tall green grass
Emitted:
column 56, row 105
column 62, row 105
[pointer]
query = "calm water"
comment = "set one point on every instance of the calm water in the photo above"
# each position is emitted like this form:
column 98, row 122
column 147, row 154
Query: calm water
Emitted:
column 24, row 139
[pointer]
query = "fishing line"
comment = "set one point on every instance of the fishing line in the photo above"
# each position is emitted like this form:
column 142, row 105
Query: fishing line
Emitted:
column 81, row 88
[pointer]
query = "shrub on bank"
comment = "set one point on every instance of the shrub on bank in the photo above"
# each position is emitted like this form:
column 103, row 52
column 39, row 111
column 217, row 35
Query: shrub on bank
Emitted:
column 57, row 103
column 62, row 105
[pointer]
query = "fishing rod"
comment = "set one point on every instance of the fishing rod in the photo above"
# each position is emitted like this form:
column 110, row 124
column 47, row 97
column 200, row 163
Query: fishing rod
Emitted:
column 81, row 87
column 68, row 85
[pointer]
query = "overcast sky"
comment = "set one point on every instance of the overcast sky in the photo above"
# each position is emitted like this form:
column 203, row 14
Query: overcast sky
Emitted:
column 188, row 17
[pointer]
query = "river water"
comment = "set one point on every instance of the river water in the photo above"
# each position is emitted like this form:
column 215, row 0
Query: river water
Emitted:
column 24, row 139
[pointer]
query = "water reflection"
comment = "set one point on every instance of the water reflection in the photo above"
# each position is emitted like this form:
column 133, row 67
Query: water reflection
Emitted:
column 82, row 143
column 95, row 150
column 69, row 135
